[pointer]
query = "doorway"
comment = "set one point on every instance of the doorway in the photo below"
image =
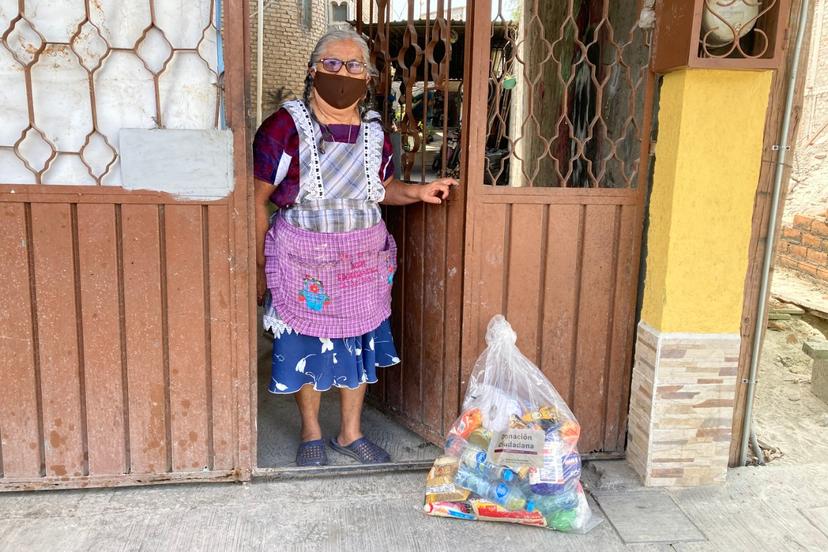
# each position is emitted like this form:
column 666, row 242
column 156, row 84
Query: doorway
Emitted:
column 546, row 227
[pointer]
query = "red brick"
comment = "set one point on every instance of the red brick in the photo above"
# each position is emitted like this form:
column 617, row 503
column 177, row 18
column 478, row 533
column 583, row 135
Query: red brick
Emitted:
column 782, row 247
column 803, row 222
column 791, row 234
column 808, row 268
column 784, row 260
column 817, row 257
column 810, row 241
column 819, row 228
column 797, row 252
column 822, row 274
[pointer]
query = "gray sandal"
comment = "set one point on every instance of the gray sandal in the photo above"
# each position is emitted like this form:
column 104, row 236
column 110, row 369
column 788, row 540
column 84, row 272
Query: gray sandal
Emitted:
column 363, row 450
column 312, row 453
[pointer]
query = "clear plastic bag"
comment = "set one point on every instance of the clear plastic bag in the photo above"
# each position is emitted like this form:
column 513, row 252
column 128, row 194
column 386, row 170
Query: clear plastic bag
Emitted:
column 512, row 453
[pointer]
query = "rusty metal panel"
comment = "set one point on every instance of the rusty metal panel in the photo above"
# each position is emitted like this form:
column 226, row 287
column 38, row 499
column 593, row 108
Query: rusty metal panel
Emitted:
column 21, row 433
column 595, row 314
column 61, row 372
column 565, row 276
column 104, row 374
column 147, row 378
column 187, row 322
column 414, row 266
column 562, row 294
column 220, row 387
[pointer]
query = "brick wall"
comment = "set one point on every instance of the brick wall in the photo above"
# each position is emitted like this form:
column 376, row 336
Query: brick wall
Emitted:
column 803, row 246
column 288, row 43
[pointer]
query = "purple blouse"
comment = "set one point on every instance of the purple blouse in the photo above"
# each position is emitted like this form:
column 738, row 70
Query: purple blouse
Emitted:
column 276, row 154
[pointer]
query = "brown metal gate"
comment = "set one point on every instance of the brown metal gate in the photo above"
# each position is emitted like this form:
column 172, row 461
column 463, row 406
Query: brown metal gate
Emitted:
column 557, row 102
column 125, row 350
column 422, row 52
column 555, row 206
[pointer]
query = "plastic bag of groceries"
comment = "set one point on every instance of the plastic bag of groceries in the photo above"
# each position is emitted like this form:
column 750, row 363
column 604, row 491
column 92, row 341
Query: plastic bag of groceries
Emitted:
column 512, row 454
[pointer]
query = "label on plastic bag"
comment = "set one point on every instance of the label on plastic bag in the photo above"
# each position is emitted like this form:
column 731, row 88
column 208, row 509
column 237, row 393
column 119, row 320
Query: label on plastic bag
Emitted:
column 552, row 469
column 517, row 447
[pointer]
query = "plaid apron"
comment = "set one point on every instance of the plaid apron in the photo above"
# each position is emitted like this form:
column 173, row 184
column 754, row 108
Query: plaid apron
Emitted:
column 329, row 259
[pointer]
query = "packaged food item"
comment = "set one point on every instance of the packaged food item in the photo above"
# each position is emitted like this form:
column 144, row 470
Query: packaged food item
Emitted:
column 513, row 449
column 440, row 486
column 481, row 437
column 489, row 511
column 459, row 510
column 466, row 423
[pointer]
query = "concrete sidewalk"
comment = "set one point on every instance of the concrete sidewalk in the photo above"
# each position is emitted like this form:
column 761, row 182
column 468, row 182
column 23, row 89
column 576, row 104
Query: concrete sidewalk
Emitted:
column 772, row 508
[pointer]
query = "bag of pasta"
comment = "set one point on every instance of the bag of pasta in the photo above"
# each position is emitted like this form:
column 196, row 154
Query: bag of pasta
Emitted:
column 512, row 454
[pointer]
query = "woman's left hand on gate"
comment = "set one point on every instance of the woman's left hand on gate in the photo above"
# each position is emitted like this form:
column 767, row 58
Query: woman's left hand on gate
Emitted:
column 437, row 191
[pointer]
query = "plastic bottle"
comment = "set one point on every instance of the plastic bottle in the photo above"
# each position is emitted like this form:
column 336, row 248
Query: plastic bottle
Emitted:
column 549, row 504
column 475, row 458
column 501, row 493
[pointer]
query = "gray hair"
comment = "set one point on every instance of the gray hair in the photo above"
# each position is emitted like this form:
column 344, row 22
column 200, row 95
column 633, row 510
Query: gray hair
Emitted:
column 338, row 35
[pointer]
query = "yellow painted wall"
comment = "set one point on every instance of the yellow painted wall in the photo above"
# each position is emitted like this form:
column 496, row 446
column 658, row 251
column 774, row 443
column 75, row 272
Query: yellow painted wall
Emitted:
column 708, row 157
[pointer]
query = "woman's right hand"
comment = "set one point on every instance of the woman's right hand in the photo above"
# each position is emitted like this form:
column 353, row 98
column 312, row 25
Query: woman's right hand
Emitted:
column 261, row 285
column 262, row 200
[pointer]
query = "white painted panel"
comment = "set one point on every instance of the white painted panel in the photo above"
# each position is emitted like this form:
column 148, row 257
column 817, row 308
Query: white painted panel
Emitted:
column 67, row 169
column 8, row 11
column 56, row 20
column 62, row 105
column 155, row 50
column 13, row 111
column 12, row 169
column 183, row 31
column 122, row 22
column 188, row 93
column 190, row 164
column 125, row 95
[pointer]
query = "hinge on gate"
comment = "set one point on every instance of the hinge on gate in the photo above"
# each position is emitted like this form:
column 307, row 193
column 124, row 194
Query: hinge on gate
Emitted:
column 777, row 147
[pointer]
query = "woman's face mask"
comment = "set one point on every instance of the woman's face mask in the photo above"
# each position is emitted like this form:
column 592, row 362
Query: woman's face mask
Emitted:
column 339, row 91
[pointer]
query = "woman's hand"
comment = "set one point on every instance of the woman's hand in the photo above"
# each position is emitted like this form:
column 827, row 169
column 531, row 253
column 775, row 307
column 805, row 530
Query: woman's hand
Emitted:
column 400, row 193
column 261, row 285
column 261, row 193
column 437, row 191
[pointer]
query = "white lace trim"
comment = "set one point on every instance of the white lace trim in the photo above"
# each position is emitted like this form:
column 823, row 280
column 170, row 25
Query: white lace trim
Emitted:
column 373, row 142
column 308, row 152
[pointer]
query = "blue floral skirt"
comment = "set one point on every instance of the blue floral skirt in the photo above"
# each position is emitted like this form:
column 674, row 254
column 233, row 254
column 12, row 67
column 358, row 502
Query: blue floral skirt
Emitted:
column 300, row 360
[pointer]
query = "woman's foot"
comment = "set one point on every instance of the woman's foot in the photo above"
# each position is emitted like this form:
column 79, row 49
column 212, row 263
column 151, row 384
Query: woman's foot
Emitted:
column 312, row 453
column 363, row 450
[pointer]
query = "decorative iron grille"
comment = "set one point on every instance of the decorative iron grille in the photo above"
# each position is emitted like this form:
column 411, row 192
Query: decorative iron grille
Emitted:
column 568, row 94
column 75, row 72
column 736, row 29
column 419, row 90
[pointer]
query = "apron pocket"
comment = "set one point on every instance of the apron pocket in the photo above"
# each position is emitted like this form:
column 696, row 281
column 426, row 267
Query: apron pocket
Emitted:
column 312, row 285
column 387, row 266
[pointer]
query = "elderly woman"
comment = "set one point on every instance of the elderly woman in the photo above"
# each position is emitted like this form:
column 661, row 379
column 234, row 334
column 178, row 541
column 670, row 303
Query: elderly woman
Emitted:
column 326, row 261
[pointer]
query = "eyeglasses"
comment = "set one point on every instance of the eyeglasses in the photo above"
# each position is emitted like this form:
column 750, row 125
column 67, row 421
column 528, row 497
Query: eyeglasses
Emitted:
column 333, row 65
